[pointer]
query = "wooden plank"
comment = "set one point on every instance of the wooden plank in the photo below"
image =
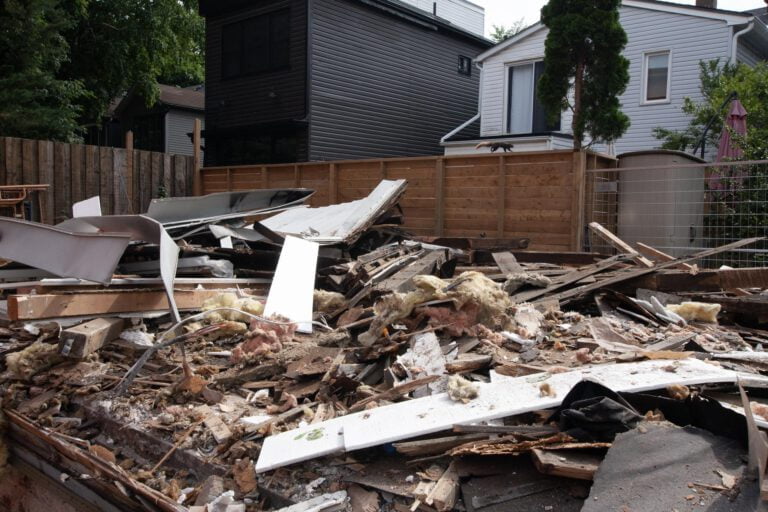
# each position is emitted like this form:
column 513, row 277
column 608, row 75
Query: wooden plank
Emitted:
column 145, row 180
column 81, row 340
column 167, row 175
column 30, row 307
column 129, row 167
column 619, row 244
column 45, row 162
column 13, row 173
column 445, row 493
column 197, row 163
column 119, row 185
column 29, row 175
column 156, row 174
column 92, row 170
column 3, row 151
column 652, row 252
column 501, row 193
column 578, row 464
column 178, row 188
column 62, row 178
column 439, row 196
column 216, row 426
column 106, row 180
column 435, row 446
column 634, row 273
column 577, row 200
column 77, row 172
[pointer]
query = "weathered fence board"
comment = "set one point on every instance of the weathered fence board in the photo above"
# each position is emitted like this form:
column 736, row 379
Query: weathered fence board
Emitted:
column 76, row 172
column 538, row 195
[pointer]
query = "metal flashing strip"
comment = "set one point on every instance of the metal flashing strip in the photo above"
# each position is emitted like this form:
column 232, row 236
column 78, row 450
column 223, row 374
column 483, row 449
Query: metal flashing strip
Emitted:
column 140, row 228
column 177, row 212
column 65, row 253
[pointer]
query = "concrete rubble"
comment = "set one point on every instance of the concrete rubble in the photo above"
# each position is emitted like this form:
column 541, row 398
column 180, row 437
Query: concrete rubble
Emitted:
column 324, row 359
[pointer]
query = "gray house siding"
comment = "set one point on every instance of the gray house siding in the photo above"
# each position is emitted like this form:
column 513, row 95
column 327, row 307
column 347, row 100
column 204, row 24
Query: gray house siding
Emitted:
column 382, row 86
column 747, row 54
column 178, row 123
column 690, row 40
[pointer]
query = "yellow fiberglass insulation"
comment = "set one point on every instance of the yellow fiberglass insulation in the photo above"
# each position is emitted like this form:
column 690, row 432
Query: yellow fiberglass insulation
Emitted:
column 460, row 389
column 230, row 300
column 468, row 288
column 328, row 302
column 696, row 311
column 36, row 357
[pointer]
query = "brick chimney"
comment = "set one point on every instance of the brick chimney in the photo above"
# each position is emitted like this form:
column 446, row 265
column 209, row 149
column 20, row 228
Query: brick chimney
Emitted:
column 708, row 4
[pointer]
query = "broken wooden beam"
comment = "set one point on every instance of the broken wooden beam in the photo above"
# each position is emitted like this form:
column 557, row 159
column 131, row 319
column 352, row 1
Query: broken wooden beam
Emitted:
column 619, row 244
column 652, row 252
column 81, row 340
column 578, row 464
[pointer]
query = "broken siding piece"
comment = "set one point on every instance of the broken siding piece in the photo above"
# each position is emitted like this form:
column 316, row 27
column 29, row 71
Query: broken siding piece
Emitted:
column 293, row 286
column 509, row 396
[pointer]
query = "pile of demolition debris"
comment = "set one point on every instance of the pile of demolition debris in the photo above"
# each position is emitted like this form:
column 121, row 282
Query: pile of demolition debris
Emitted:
column 243, row 352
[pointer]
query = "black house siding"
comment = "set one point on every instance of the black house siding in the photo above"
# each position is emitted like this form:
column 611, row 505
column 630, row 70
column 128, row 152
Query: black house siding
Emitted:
column 249, row 104
column 382, row 86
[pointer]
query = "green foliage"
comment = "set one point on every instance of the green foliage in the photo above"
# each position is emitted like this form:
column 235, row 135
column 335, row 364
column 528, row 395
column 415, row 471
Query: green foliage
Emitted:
column 65, row 61
column 502, row 33
column 117, row 45
column 583, row 56
column 33, row 101
column 717, row 83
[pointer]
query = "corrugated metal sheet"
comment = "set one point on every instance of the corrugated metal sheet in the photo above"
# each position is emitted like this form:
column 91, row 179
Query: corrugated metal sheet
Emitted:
column 382, row 86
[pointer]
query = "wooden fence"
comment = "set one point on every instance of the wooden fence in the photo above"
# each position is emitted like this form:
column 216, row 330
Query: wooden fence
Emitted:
column 126, row 180
column 537, row 195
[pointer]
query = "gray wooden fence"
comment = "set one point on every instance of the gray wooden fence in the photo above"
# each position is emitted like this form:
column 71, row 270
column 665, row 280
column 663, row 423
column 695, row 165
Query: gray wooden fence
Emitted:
column 126, row 180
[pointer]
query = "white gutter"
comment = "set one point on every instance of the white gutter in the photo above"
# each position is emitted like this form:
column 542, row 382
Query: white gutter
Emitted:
column 475, row 117
column 735, row 40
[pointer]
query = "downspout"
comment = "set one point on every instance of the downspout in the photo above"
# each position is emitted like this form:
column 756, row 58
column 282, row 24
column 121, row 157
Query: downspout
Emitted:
column 473, row 118
column 735, row 40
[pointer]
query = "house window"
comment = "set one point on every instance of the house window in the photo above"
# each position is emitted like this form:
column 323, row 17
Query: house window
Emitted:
column 256, row 45
column 656, row 77
column 525, row 113
column 148, row 132
column 465, row 65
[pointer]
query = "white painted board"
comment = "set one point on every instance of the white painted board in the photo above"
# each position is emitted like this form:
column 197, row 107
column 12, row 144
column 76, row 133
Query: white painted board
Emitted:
column 90, row 207
column 508, row 396
column 293, row 286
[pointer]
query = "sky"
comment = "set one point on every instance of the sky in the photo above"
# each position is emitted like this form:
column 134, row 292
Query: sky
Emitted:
column 506, row 12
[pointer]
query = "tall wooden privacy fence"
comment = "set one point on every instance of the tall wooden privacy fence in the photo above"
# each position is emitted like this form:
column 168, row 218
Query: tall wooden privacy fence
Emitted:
column 537, row 195
column 125, row 180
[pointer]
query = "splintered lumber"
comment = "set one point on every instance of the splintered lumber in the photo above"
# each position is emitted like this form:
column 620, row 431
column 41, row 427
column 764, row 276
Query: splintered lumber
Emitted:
column 445, row 493
column 435, row 446
column 652, row 252
column 619, row 244
column 216, row 426
column 33, row 307
column 395, row 392
column 81, row 340
column 580, row 465
column 633, row 273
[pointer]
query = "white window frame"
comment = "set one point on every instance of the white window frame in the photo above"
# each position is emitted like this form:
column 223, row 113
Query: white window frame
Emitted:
column 644, row 87
column 507, row 65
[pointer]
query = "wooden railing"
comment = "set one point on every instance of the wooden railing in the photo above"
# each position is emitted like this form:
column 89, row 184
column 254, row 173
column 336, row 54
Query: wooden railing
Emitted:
column 538, row 195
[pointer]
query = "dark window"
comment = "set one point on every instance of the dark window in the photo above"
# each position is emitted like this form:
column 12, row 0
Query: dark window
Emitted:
column 254, row 146
column 525, row 113
column 465, row 65
column 148, row 132
column 256, row 45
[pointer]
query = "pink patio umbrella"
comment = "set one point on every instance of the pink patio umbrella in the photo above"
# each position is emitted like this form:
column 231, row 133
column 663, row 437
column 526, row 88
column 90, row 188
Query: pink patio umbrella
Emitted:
column 736, row 122
column 727, row 149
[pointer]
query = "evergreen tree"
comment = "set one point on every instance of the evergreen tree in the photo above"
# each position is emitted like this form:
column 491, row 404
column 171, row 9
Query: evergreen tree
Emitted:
column 35, row 103
column 583, row 59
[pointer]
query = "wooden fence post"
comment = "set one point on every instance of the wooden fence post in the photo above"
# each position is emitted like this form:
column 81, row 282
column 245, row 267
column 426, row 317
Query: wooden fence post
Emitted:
column 578, row 172
column 501, row 208
column 439, row 196
column 264, row 177
column 197, row 184
column 129, row 169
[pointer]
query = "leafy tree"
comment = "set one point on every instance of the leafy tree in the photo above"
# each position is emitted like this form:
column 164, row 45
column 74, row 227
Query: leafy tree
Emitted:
column 116, row 45
column 717, row 83
column 502, row 33
column 34, row 102
column 583, row 59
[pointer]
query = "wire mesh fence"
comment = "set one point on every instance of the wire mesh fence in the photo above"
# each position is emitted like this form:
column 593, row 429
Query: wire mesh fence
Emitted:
column 682, row 209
